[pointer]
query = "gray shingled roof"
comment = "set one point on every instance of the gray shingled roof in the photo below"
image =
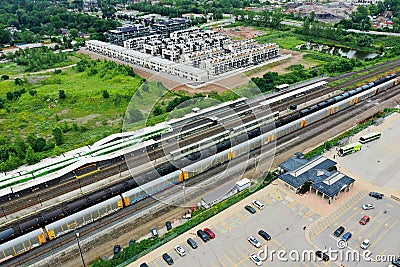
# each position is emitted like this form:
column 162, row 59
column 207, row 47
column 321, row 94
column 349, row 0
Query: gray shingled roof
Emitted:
column 316, row 171
column 293, row 164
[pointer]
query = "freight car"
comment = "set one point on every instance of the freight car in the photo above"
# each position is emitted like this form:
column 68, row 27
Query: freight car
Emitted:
column 131, row 197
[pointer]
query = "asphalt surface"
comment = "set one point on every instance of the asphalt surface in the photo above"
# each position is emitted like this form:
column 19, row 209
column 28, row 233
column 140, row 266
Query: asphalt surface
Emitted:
column 381, row 230
column 281, row 217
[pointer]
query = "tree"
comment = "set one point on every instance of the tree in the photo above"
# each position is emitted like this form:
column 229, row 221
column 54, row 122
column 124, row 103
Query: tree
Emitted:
column 31, row 157
column 5, row 36
column 18, row 81
column 20, row 146
column 5, row 77
column 134, row 115
column 157, row 110
column 105, row 94
column 61, row 94
column 58, row 136
column 73, row 33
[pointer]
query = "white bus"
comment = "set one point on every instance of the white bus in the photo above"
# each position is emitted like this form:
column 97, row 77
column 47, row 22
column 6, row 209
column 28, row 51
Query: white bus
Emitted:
column 370, row 137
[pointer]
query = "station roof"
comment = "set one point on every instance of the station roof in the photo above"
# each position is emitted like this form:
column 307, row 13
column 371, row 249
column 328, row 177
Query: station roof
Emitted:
column 315, row 171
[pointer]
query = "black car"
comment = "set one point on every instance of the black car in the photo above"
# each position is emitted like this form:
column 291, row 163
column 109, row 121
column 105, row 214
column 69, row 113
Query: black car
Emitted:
column 132, row 242
column 376, row 195
column 396, row 262
column 203, row 235
column 168, row 259
column 339, row 231
column 144, row 265
column 117, row 249
column 192, row 243
column 264, row 234
column 250, row 209
column 321, row 255
column 168, row 225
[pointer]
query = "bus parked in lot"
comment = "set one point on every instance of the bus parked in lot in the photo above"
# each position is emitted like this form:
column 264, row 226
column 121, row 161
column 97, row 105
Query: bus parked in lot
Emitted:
column 349, row 149
column 370, row 137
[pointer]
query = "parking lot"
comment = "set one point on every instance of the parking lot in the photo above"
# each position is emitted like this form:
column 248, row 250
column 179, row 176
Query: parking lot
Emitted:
column 282, row 217
column 382, row 230
column 378, row 161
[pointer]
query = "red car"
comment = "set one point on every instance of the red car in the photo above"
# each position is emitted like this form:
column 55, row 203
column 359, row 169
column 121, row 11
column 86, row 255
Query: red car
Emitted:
column 364, row 220
column 209, row 233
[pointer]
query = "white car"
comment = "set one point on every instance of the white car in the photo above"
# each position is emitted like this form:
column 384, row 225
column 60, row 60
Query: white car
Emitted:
column 365, row 244
column 258, row 204
column 368, row 206
column 255, row 259
column 254, row 241
column 180, row 250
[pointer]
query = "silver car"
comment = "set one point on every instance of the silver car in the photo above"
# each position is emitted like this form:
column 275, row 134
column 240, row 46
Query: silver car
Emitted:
column 254, row 241
column 368, row 206
column 255, row 259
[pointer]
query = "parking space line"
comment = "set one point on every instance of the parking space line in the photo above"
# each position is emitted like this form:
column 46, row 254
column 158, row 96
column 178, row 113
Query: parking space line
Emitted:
column 279, row 244
column 376, row 228
column 231, row 252
column 266, row 200
column 240, row 216
column 384, row 233
column 239, row 251
column 226, row 225
column 343, row 223
column 155, row 263
column 221, row 263
column 232, row 263
column 338, row 213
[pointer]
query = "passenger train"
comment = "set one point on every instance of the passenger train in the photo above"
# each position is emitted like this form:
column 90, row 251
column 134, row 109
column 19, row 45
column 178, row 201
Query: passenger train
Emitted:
column 284, row 126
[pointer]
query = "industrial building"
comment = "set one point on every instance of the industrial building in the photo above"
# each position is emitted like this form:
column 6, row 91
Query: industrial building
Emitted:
column 317, row 175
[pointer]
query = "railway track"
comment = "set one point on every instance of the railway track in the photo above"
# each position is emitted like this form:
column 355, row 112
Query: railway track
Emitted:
column 40, row 196
column 306, row 133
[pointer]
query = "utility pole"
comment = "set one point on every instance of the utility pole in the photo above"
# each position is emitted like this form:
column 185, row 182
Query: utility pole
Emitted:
column 79, row 247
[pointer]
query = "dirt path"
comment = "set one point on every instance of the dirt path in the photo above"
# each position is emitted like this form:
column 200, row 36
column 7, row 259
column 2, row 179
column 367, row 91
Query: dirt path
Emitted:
column 40, row 72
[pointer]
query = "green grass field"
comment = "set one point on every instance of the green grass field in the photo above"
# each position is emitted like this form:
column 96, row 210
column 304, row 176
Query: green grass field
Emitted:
column 84, row 105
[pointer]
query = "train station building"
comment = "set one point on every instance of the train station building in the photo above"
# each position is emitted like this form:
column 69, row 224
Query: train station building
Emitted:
column 317, row 175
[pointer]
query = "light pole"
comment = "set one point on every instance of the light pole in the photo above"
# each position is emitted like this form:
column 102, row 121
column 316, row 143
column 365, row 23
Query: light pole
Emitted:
column 79, row 246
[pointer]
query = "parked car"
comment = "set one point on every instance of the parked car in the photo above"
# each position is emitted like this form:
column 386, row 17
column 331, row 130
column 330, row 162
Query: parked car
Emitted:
column 144, row 265
column 339, row 231
column 396, row 262
column 364, row 220
column 132, row 242
column 365, row 244
column 250, row 209
column 322, row 256
column 209, row 233
column 258, row 204
column 346, row 236
column 203, row 235
column 192, row 243
column 180, row 250
column 168, row 259
column 376, row 195
column 254, row 241
column 117, row 249
column 168, row 225
column 154, row 231
column 368, row 206
column 255, row 259
column 264, row 234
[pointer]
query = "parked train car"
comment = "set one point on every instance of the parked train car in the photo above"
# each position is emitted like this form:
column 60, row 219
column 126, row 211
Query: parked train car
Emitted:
column 22, row 244
column 81, row 218
column 148, row 189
